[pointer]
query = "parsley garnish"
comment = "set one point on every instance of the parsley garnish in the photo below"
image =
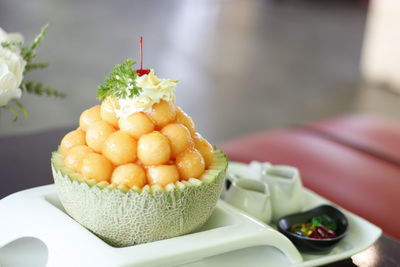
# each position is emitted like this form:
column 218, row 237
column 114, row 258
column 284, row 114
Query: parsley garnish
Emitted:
column 121, row 82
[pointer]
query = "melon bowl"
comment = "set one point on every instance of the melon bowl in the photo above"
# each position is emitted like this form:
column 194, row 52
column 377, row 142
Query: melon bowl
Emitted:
column 125, row 217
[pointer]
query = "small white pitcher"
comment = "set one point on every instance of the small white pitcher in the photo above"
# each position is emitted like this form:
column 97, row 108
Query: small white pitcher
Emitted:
column 249, row 195
column 285, row 188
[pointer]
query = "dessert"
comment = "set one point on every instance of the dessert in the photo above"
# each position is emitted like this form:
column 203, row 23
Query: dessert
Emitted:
column 136, row 170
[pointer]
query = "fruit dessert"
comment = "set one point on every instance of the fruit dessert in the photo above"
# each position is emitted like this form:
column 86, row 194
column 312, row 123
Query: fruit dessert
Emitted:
column 136, row 170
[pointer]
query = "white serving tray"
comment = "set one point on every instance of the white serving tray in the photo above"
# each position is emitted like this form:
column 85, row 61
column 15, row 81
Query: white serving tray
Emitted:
column 229, row 238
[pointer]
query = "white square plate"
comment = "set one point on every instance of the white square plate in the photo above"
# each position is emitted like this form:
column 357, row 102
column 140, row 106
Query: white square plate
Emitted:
column 229, row 238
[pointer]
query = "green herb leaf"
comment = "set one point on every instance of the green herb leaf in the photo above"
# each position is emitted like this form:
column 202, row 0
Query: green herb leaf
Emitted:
column 12, row 110
column 35, row 65
column 324, row 220
column 39, row 89
column 29, row 52
column 21, row 108
column 121, row 82
column 10, row 44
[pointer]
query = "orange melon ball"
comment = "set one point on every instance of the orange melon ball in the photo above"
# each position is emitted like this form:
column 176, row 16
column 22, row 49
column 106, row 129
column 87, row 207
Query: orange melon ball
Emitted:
column 71, row 139
column 89, row 116
column 162, row 174
column 163, row 113
column 136, row 124
column 153, row 149
column 107, row 112
column 185, row 119
column 205, row 148
column 97, row 167
column 120, row 148
column 97, row 133
column 190, row 164
column 179, row 137
column 129, row 175
column 74, row 156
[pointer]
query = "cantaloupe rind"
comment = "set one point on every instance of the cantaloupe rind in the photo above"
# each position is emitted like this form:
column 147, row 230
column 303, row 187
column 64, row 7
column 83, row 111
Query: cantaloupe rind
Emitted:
column 124, row 217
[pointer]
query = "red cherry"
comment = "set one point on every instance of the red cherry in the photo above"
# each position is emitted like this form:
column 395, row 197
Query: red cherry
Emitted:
column 142, row 72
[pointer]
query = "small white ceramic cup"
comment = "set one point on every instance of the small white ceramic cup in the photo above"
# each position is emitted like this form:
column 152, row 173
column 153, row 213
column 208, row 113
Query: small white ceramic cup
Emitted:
column 286, row 190
column 251, row 171
column 251, row 196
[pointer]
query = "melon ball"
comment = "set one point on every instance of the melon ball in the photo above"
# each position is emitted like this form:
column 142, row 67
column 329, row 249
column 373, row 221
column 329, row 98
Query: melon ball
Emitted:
column 74, row 156
column 185, row 119
column 129, row 175
column 96, row 166
column 190, row 164
column 179, row 137
column 89, row 116
column 97, row 133
column 205, row 148
column 136, row 124
column 71, row 139
column 153, row 149
column 107, row 112
column 163, row 113
column 120, row 148
column 162, row 174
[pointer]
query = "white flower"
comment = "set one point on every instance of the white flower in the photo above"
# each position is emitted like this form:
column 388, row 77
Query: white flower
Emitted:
column 12, row 67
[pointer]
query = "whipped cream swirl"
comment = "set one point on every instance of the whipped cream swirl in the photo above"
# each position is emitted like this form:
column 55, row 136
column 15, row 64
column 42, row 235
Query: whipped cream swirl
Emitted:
column 154, row 90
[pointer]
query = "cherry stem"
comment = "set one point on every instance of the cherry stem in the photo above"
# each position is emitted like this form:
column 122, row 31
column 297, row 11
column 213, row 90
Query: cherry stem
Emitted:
column 141, row 52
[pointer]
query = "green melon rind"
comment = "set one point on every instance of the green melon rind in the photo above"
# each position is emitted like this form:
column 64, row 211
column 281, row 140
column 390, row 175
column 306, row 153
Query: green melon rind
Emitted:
column 123, row 217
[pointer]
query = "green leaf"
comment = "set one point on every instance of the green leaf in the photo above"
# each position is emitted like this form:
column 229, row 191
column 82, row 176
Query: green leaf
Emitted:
column 324, row 220
column 12, row 110
column 121, row 82
column 39, row 89
column 29, row 52
column 21, row 108
column 35, row 65
column 10, row 44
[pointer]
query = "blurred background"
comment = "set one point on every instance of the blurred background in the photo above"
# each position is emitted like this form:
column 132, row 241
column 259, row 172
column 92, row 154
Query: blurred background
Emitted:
column 243, row 65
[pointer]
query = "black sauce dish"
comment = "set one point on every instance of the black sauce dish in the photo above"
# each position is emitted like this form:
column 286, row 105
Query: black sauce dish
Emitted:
column 311, row 245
